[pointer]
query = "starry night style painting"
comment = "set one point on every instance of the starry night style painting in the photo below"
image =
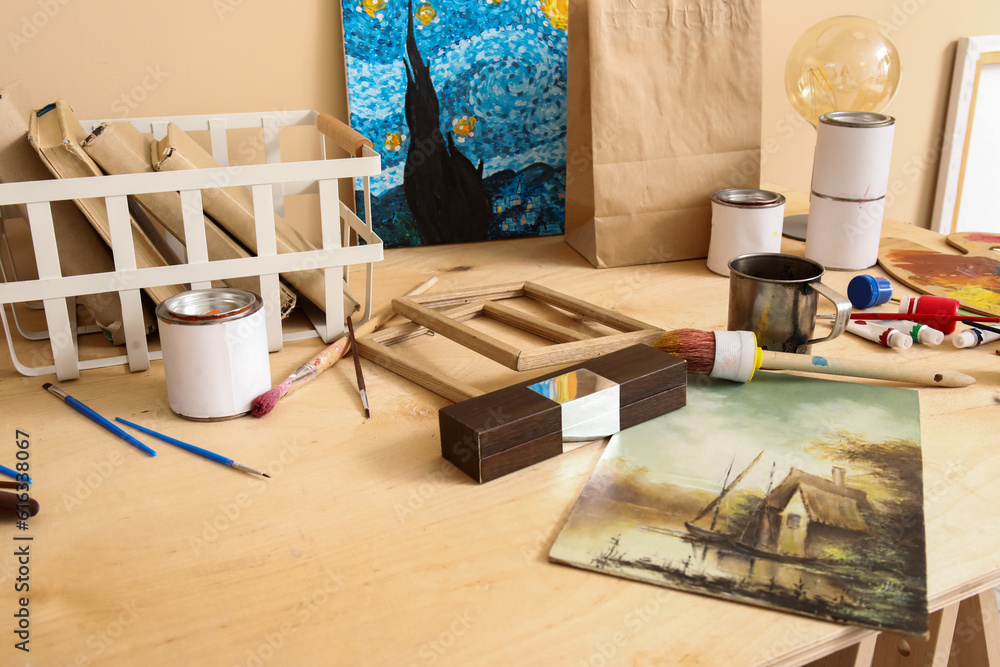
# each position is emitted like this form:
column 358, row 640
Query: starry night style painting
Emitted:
column 466, row 102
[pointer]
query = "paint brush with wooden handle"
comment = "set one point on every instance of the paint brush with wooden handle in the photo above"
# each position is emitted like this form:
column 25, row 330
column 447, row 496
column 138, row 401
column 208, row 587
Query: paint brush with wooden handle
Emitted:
column 308, row 371
column 734, row 355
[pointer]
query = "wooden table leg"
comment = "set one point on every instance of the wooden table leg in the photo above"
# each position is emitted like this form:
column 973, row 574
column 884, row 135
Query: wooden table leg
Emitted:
column 965, row 634
column 977, row 634
column 895, row 650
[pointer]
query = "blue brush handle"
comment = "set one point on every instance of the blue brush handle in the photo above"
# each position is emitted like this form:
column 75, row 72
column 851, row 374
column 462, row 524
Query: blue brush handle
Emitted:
column 13, row 473
column 83, row 409
column 218, row 458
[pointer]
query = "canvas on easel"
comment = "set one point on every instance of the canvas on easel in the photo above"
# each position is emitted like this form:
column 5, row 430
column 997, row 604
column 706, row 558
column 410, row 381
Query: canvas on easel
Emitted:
column 791, row 493
column 466, row 102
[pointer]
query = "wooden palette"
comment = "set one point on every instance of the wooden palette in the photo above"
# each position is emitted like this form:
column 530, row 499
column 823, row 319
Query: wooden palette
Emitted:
column 972, row 277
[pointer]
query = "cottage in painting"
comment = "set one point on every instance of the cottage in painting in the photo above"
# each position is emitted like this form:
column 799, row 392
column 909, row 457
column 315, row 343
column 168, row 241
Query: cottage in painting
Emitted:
column 806, row 513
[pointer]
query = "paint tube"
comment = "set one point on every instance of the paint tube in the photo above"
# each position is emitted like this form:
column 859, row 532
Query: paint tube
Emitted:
column 974, row 337
column 879, row 333
column 920, row 333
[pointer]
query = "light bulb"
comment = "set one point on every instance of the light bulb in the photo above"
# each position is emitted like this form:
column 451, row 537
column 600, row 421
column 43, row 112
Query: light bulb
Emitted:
column 844, row 63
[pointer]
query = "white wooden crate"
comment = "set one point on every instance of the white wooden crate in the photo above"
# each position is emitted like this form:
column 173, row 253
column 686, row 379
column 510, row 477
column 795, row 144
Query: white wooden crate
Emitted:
column 269, row 183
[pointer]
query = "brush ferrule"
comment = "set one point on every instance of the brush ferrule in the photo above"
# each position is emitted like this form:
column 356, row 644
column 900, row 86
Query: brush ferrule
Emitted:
column 51, row 388
column 246, row 468
column 735, row 355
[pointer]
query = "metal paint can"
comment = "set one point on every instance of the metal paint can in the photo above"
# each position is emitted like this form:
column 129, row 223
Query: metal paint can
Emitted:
column 744, row 221
column 215, row 357
column 853, row 150
column 849, row 183
column 844, row 234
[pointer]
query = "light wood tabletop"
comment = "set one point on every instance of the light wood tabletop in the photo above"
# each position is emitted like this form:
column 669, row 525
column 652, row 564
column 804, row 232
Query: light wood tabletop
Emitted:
column 366, row 547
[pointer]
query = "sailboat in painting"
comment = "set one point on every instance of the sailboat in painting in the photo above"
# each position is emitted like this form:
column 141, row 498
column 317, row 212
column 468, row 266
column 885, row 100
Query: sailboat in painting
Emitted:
column 789, row 522
column 811, row 518
column 742, row 539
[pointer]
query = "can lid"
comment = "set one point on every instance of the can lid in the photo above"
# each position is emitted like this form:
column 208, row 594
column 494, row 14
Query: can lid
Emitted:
column 748, row 198
column 208, row 306
column 866, row 291
column 856, row 119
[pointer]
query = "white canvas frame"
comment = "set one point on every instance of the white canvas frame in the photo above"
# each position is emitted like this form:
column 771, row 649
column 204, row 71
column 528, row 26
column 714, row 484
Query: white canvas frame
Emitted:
column 969, row 171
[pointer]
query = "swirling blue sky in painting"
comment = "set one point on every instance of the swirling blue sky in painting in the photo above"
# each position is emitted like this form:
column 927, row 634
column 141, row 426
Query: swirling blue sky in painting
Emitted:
column 503, row 65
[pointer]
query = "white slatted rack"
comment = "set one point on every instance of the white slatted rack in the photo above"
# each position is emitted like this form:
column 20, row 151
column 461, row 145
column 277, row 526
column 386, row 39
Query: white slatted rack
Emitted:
column 269, row 183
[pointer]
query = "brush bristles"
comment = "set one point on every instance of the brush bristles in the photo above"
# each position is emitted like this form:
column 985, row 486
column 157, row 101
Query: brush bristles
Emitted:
column 695, row 346
column 264, row 403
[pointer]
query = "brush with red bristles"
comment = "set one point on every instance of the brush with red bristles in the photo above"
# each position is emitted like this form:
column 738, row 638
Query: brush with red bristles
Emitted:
column 308, row 371
column 734, row 355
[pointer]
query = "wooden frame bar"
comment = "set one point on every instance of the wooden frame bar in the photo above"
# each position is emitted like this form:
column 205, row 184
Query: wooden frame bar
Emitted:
column 570, row 346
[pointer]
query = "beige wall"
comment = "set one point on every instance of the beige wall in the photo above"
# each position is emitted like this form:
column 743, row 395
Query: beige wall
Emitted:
column 117, row 59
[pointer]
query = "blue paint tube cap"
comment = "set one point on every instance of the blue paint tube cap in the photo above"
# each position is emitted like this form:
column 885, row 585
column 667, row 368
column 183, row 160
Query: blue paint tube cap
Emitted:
column 866, row 291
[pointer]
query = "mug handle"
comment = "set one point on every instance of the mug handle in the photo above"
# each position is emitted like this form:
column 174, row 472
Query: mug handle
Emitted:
column 843, row 316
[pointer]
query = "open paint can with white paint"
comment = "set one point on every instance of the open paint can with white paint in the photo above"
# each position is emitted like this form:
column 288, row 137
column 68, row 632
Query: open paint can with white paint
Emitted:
column 215, row 358
column 744, row 221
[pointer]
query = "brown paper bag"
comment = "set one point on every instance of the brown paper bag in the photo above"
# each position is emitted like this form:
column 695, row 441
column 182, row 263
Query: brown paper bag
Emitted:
column 664, row 109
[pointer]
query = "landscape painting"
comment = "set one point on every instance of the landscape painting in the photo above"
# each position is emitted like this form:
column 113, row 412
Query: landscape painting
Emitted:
column 791, row 493
column 466, row 102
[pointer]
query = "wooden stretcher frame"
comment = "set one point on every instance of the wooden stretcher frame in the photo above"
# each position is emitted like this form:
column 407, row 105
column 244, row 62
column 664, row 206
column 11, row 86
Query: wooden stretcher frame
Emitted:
column 445, row 314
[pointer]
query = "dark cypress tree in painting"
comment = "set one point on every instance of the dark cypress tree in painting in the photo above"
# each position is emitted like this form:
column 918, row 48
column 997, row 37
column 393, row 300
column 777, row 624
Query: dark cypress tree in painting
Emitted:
column 443, row 189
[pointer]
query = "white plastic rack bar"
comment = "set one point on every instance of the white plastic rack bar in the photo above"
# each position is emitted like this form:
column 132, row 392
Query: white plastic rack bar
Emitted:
column 269, row 183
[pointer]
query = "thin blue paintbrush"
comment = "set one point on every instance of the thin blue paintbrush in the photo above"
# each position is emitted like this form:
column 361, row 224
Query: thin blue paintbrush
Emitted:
column 12, row 473
column 196, row 450
column 84, row 410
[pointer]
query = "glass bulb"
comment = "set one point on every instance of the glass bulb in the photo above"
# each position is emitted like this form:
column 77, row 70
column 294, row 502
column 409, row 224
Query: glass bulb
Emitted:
column 844, row 63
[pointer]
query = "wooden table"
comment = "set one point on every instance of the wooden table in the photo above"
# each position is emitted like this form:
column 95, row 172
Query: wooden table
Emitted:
column 367, row 548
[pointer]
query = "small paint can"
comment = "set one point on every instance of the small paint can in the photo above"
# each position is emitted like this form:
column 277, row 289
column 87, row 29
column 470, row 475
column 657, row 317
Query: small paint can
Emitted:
column 853, row 150
column 744, row 221
column 844, row 234
column 215, row 357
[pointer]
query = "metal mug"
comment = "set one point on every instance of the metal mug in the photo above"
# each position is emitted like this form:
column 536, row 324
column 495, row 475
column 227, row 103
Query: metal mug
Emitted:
column 775, row 296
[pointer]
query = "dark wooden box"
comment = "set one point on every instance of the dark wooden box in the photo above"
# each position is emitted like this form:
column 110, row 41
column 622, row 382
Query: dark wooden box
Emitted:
column 512, row 428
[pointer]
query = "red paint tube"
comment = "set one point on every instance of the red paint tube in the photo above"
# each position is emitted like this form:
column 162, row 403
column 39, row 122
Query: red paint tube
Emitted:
column 885, row 336
column 928, row 306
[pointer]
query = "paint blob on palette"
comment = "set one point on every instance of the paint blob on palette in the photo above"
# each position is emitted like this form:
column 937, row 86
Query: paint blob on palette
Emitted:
column 973, row 277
